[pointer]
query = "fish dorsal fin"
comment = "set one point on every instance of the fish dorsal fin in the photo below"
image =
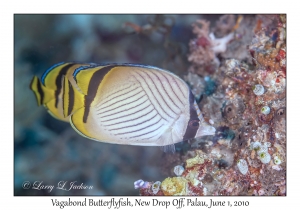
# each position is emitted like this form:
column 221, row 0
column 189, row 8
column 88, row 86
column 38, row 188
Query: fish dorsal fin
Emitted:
column 83, row 75
column 72, row 69
column 42, row 94
column 52, row 76
column 72, row 98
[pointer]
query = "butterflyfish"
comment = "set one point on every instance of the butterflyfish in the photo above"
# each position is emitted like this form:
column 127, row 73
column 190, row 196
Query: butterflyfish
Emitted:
column 48, row 91
column 132, row 104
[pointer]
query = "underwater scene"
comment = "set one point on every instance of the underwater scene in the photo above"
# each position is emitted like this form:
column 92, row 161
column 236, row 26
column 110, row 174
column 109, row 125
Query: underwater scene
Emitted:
column 160, row 105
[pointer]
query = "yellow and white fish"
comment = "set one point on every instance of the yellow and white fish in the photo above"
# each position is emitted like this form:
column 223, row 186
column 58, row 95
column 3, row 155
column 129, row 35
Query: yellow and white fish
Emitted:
column 134, row 105
column 49, row 91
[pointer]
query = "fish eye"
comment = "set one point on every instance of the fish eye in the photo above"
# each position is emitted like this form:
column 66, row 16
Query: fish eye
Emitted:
column 194, row 123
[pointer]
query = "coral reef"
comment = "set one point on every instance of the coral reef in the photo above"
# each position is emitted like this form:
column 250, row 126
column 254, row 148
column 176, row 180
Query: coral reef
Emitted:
column 247, row 155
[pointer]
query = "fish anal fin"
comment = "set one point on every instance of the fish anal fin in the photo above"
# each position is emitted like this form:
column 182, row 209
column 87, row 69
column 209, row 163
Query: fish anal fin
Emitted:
column 78, row 125
column 55, row 112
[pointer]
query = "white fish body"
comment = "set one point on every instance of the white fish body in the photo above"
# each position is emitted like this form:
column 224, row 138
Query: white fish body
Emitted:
column 136, row 105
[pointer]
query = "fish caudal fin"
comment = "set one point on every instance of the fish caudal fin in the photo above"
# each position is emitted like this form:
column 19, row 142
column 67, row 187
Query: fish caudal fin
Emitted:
column 42, row 94
column 72, row 98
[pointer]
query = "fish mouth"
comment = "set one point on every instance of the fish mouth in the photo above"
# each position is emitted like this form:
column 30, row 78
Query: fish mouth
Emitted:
column 205, row 130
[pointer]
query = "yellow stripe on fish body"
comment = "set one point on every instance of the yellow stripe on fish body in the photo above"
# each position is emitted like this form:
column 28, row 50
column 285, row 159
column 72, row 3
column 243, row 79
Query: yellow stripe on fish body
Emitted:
column 48, row 92
column 136, row 105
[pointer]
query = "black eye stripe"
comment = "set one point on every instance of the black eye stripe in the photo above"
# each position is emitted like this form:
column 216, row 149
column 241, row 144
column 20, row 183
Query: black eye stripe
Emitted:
column 191, row 130
column 195, row 124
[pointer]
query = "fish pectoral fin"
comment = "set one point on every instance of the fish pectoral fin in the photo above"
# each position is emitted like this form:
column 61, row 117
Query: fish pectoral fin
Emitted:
column 170, row 136
column 42, row 94
column 72, row 98
column 167, row 140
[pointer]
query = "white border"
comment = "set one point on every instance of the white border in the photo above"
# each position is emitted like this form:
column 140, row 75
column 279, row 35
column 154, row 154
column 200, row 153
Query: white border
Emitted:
column 138, row 7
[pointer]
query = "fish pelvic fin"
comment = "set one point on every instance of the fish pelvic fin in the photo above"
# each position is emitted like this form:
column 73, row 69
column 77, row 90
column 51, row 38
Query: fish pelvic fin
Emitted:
column 42, row 94
column 205, row 130
column 72, row 98
column 168, row 148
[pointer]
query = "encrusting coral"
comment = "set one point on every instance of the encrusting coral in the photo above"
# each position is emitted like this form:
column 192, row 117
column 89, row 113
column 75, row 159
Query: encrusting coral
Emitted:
column 246, row 104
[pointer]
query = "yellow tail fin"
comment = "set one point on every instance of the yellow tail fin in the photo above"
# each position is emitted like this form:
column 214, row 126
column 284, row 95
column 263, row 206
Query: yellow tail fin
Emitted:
column 42, row 94
column 72, row 98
